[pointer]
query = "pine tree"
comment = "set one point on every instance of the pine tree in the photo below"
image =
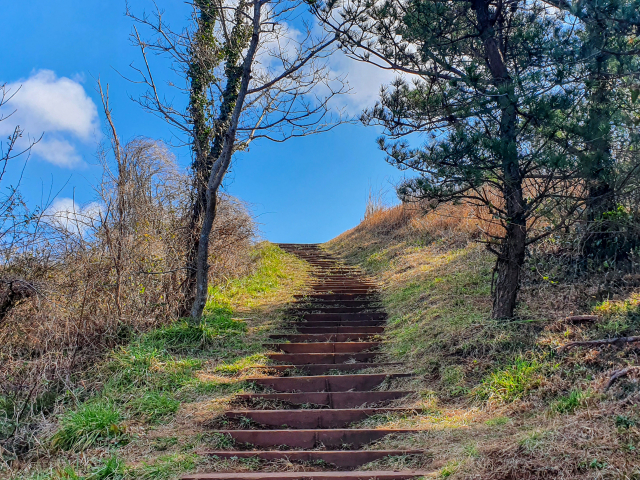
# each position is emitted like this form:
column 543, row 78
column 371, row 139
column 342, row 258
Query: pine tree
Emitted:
column 491, row 84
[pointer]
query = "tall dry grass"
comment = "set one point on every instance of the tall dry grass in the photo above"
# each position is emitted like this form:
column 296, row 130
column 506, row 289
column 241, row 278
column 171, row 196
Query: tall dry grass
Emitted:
column 98, row 275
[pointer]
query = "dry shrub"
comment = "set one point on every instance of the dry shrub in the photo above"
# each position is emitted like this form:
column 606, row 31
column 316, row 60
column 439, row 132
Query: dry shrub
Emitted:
column 101, row 273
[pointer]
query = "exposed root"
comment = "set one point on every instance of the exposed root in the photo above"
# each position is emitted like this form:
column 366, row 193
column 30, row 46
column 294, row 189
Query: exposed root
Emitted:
column 620, row 373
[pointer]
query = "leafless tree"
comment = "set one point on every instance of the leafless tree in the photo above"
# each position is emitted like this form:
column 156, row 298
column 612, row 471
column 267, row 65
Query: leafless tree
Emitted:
column 249, row 74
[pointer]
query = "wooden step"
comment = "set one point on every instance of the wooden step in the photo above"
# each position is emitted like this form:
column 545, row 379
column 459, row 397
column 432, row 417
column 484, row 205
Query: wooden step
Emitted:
column 324, row 347
column 311, row 418
column 312, row 438
column 367, row 475
column 330, row 399
column 338, row 458
column 339, row 330
column 308, row 358
column 324, row 368
column 327, row 337
column 327, row 383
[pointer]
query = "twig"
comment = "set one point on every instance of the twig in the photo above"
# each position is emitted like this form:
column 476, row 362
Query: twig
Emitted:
column 620, row 373
column 618, row 342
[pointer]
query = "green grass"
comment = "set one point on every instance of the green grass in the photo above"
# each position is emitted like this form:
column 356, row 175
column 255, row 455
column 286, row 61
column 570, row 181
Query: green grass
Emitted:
column 511, row 383
column 166, row 467
column 569, row 403
column 268, row 276
column 94, row 422
column 154, row 406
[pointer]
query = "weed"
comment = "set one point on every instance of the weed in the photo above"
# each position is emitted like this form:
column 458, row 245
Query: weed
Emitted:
column 569, row 403
column 624, row 422
column 94, row 422
column 166, row 467
column 154, row 406
column 494, row 422
column 163, row 443
column 511, row 383
column 533, row 441
column 449, row 469
column 111, row 469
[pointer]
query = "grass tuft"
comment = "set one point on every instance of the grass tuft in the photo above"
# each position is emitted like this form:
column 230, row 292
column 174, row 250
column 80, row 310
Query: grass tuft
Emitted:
column 511, row 383
column 94, row 422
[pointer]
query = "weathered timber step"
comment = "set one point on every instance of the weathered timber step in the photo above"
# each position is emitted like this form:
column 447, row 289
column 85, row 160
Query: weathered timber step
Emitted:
column 339, row 458
column 350, row 323
column 313, row 438
column 353, row 475
column 308, row 358
column 322, row 309
column 327, row 383
column 339, row 400
column 326, row 368
column 326, row 337
column 311, row 418
column 372, row 304
column 337, row 297
column 346, row 329
column 325, row 347
column 344, row 317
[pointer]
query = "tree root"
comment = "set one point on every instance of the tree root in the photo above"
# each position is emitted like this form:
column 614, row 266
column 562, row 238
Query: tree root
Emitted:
column 618, row 342
column 620, row 373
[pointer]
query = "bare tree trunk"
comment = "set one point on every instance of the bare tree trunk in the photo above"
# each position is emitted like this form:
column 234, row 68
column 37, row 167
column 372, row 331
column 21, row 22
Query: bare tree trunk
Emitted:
column 221, row 166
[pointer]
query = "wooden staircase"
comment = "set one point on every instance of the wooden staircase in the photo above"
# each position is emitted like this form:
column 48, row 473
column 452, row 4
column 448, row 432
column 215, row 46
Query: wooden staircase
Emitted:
column 325, row 365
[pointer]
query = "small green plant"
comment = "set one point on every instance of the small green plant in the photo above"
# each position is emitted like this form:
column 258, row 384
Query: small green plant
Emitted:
column 570, row 403
column 95, row 421
column 512, row 383
column 624, row 422
column 534, row 440
column 494, row 422
column 155, row 406
column 166, row 467
column 111, row 469
column 449, row 469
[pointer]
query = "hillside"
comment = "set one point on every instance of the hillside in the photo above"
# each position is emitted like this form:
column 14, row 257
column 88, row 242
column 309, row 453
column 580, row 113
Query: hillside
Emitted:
column 498, row 400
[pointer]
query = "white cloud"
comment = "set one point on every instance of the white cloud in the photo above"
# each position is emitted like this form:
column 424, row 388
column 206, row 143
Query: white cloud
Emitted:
column 44, row 102
column 60, row 108
column 66, row 213
column 59, row 152
column 364, row 79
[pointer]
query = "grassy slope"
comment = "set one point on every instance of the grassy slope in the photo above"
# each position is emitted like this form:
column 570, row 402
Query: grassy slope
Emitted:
column 495, row 400
column 155, row 395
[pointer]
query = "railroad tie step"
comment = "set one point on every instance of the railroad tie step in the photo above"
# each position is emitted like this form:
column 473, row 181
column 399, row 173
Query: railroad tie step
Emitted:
column 309, row 358
column 355, row 438
column 366, row 475
column 337, row 400
column 324, row 347
column 325, row 368
column 324, row 337
column 311, row 418
column 327, row 383
column 338, row 458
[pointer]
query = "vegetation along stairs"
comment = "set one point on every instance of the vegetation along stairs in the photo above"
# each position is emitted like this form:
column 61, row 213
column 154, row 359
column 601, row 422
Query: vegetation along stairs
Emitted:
column 321, row 377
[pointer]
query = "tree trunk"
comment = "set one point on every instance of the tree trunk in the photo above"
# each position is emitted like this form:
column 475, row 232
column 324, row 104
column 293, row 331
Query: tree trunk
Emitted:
column 512, row 250
column 237, row 75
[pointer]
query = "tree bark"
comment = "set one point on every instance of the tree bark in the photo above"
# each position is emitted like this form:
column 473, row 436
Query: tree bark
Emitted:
column 512, row 252
column 222, row 163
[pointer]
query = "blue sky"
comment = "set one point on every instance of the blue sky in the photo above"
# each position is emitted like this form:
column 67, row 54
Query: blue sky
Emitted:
column 305, row 190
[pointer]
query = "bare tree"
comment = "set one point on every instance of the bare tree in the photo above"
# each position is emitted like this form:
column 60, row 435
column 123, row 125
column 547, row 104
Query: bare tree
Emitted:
column 249, row 74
